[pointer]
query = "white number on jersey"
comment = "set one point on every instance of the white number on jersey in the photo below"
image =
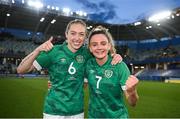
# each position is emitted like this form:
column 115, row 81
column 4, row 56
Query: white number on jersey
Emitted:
column 71, row 69
column 99, row 79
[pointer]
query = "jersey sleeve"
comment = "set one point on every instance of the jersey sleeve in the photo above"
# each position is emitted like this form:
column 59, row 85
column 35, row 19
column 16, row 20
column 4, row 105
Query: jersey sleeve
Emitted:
column 124, row 74
column 42, row 61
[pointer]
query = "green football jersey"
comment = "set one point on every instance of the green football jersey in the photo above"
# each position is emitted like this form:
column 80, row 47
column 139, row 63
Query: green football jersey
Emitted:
column 66, row 71
column 105, row 89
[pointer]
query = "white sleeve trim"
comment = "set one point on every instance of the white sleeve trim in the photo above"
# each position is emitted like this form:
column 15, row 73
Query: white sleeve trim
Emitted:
column 123, row 87
column 85, row 80
column 37, row 65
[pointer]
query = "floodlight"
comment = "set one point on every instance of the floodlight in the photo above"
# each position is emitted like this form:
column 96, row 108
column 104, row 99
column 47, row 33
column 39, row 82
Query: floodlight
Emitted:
column 36, row 4
column 80, row 13
column 85, row 14
column 159, row 16
column 137, row 23
column 13, row 1
column 42, row 19
column 48, row 7
column 136, row 67
column 57, row 8
column 52, row 7
column 148, row 27
column 66, row 11
column 142, row 67
column 53, row 21
column 8, row 14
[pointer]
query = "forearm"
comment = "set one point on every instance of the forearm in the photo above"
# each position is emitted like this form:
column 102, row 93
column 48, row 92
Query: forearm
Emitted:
column 26, row 64
column 132, row 97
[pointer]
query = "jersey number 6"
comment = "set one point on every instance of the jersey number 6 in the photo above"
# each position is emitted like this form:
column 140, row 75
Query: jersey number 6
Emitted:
column 71, row 69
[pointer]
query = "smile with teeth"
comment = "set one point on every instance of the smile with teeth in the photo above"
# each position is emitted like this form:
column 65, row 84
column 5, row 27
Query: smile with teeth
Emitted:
column 75, row 43
column 100, row 51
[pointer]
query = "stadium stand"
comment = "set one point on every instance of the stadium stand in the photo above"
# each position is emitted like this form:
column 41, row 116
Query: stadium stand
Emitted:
column 150, row 54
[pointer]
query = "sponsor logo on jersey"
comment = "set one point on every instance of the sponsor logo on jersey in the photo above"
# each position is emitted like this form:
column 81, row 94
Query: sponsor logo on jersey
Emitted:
column 63, row 60
column 71, row 78
column 108, row 73
column 79, row 58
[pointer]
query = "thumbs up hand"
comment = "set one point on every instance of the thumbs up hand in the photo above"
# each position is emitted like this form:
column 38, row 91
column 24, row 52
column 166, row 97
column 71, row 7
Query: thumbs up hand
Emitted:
column 46, row 46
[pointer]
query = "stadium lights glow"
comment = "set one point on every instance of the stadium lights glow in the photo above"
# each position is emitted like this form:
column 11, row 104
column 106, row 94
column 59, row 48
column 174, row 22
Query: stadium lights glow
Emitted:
column 137, row 23
column 85, row 14
column 53, row 21
column 22, row 1
column 36, row 4
column 8, row 14
column 81, row 13
column 13, row 1
column 136, row 67
column 142, row 67
column 48, row 7
column 66, row 11
column 52, row 7
column 57, row 8
column 42, row 19
column 148, row 27
column 159, row 16
column 89, row 27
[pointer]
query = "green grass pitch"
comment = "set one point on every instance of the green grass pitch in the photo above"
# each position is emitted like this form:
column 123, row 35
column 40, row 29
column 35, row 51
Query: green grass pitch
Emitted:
column 23, row 98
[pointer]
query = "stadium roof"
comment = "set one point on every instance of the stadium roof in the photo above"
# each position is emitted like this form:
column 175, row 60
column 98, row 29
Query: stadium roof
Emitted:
column 26, row 18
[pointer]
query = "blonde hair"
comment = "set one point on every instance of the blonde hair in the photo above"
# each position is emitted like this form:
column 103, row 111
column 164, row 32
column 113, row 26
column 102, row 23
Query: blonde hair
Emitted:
column 102, row 30
column 76, row 21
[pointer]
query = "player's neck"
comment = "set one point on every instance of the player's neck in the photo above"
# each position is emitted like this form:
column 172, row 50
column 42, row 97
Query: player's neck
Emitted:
column 102, row 61
column 72, row 49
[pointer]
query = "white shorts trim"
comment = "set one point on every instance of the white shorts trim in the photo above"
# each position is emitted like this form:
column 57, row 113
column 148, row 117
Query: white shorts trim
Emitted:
column 77, row 116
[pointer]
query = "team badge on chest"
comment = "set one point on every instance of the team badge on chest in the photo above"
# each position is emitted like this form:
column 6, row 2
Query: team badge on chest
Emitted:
column 79, row 58
column 108, row 73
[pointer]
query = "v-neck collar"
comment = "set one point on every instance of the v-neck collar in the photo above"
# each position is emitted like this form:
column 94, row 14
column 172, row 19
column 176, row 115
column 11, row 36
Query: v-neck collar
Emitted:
column 105, row 64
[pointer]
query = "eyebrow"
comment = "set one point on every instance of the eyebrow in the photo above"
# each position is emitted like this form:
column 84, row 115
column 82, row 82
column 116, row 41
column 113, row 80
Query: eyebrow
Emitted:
column 77, row 32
